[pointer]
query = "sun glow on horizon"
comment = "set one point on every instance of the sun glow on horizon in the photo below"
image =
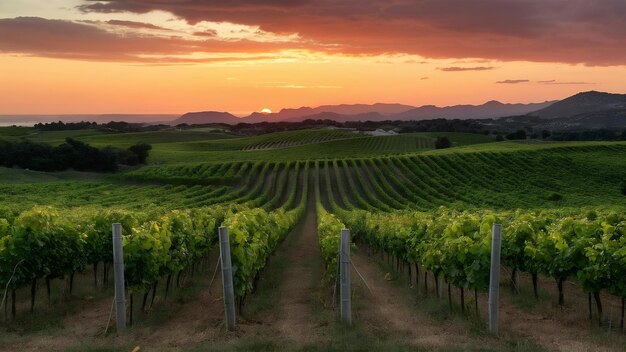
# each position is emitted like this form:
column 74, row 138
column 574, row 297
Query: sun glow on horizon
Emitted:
column 266, row 111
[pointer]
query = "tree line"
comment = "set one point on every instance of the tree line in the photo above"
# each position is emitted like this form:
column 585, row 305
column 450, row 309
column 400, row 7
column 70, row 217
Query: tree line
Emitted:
column 112, row 126
column 72, row 154
column 513, row 128
column 502, row 129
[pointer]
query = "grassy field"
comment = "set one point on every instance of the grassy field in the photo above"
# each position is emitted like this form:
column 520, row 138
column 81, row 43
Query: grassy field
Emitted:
column 385, row 172
column 13, row 132
column 199, row 145
column 101, row 138
column 354, row 147
column 12, row 176
column 293, row 177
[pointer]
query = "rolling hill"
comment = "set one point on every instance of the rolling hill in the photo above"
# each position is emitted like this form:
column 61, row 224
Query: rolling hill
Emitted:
column 202, row 117
column 584, row 103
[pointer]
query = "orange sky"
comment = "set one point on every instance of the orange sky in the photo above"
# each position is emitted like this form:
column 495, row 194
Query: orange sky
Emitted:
column 138, row 56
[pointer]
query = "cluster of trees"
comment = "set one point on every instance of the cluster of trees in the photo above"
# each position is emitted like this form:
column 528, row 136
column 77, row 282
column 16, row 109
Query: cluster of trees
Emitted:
column 441, row 125
column 62, row 126
column 519, row 134
column 121, row 126
column 112, row 126
column 501, row 128
column 436, row 125
column 270, row 127
column 588, row 135
column 443, row 142
column 591, row 135
column 72, row 154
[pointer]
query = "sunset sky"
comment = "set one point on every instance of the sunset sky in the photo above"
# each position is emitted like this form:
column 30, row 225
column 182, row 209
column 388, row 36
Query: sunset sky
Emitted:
column 157, row 56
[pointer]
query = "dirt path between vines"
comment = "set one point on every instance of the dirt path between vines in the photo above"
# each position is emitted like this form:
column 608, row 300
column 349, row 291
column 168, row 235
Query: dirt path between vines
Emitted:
column 560, row 328
column 300, row 281
column 550, row 333
column 182, row 321
column 391, row 307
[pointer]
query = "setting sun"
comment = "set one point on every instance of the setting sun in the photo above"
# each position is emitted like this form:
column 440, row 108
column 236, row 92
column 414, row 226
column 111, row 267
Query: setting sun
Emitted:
column 266, row 111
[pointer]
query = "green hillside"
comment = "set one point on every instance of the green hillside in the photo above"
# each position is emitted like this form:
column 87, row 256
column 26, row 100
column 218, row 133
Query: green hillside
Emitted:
column 407, row 205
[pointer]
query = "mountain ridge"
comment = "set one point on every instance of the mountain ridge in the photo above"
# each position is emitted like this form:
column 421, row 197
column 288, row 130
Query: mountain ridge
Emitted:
column 490, row 109
column 607, row 108
column 372, row 112
column 583, row 103
column 293, row 114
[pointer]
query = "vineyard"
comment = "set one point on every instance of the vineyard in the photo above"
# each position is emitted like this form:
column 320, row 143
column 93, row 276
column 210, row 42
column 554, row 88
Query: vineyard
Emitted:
column 422, row 215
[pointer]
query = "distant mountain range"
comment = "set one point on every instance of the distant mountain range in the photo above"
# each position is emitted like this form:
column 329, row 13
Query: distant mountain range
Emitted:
column 337, row 111
column 490, row 109
column 304, row 113
column 587, row 110
column 365, row 112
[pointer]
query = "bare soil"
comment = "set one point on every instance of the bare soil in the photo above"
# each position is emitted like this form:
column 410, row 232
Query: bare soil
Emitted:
column 564, row 328
column 182, row 322
column 393, row 307
column 544, row 322
column 297, row 292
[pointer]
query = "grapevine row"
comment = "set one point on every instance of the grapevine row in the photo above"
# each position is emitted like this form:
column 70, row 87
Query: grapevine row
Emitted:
column 590, row 247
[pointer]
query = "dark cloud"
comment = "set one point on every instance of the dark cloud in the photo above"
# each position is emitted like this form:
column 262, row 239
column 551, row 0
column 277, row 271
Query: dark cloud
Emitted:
column 513, row 81
column 184, row 6
column 461, row 69
column 70, row 40
column 589, row 31
column 207, row 33
column 133, row 24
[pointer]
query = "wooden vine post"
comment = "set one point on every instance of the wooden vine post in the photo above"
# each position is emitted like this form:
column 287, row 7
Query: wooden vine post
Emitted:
column 344, row 277
column 227, row 279
column 494, row 278
column 118, row 271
